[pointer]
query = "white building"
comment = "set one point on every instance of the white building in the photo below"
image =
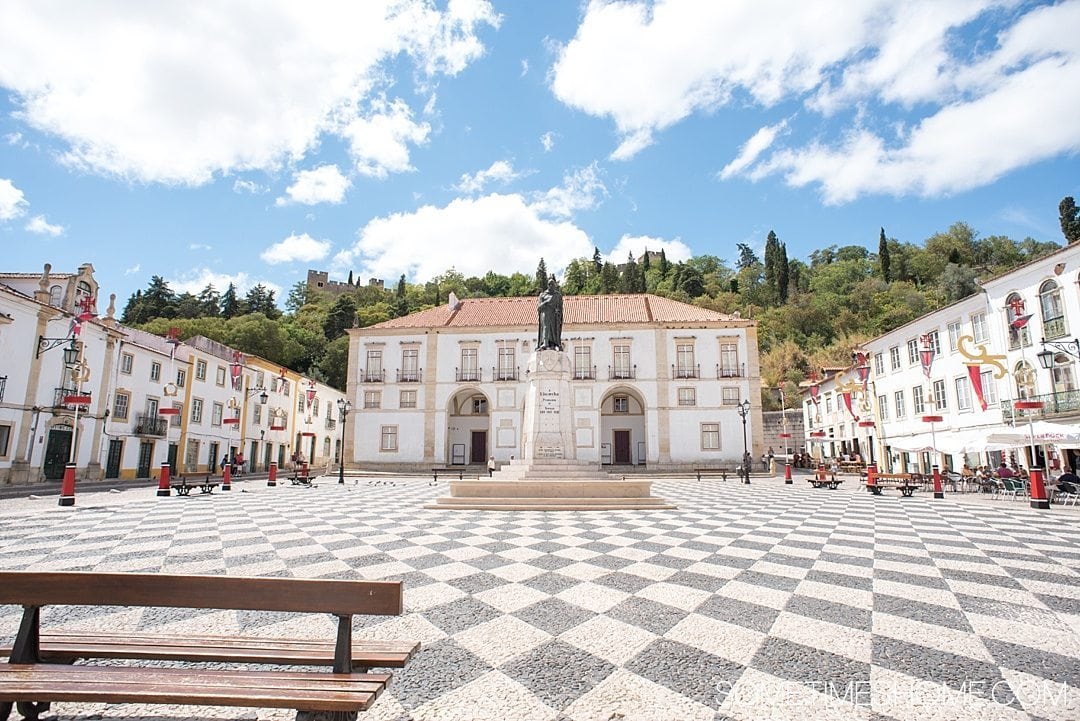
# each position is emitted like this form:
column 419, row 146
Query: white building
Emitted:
column 902, row 396
column 655, row 382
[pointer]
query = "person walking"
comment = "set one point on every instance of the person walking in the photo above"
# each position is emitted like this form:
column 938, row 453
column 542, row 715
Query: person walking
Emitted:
column 491, row 466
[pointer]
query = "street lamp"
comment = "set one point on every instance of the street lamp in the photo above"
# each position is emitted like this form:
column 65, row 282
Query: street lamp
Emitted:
column 343, row 409
column 744, row 408
column 1047, row 356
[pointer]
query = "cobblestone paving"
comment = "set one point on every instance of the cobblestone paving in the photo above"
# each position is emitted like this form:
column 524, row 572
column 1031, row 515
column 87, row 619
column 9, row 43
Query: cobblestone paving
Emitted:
column 748, row 602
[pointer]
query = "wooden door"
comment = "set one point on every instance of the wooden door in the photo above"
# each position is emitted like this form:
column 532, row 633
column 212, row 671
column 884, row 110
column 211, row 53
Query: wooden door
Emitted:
column 112, row 464
column 57, row 452
column 146, row 455
column 173, row 450
column 622, row 447
column 479, row 447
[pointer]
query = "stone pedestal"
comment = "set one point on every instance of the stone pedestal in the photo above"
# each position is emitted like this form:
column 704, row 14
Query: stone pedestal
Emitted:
column 548, row 476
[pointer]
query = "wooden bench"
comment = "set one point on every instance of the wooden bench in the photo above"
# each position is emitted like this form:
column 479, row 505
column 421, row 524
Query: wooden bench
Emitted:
column 830, row 481
column 298, row 480
column 436, row 471
column 722, row 472
column 183, row 488
column 39, row 671
column 903, row 482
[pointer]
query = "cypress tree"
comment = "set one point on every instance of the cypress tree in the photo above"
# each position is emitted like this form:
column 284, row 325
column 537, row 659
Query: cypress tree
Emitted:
column 883, row 256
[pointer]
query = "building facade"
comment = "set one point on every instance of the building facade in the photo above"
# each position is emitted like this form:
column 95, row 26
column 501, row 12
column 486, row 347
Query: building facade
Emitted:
column 655, row 382
column 1013, row 341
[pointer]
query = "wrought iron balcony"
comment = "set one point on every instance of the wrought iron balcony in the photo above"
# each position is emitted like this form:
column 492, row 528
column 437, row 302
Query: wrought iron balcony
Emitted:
column 504, row 374
column 372, row 376
column 331, row 423
column 3, row 387
column 1054, row 328
column 148, row 425
column 466, row 375
column 585, row 374
column 59, row 394
column 1054, row 404
column 731, row 370
column 410, row 376
column 621, row 372
column 686, row 371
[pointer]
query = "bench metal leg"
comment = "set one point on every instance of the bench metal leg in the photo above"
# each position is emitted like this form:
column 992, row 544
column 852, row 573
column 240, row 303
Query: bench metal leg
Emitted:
column 323, row 716
column 5, row 710
column 32, row 710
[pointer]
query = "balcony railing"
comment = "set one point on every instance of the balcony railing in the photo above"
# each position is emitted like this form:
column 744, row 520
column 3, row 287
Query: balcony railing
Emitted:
column 1054, row 404
column 331, row 423
column 148, row 425
column 504, row 374
column 467, row 375
column 3, row 387
column 737, row 370
column 59, row 394
column 1054, row 328
column 373, row 376
column 621, row 372
column 585, row 374
column 410, row 376
column 684, row 371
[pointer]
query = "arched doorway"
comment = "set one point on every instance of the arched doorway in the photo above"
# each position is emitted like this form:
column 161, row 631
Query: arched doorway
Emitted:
column 622, row 428
column 468, row 428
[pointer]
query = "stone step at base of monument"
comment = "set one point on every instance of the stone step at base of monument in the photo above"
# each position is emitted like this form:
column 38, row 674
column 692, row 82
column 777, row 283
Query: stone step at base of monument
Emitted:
column 650, row 503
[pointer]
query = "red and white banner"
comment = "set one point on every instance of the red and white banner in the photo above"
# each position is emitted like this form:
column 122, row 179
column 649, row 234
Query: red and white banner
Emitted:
column 847, row 402
column 975, row 376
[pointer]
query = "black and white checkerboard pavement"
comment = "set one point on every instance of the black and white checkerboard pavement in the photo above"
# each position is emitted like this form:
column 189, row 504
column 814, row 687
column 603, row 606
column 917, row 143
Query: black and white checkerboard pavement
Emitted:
column 747, row 602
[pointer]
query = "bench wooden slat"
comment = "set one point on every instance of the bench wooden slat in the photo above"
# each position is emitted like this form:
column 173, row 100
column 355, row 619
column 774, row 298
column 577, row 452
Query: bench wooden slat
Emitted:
column 62, row 647
column 339, row 597
column 272, row 689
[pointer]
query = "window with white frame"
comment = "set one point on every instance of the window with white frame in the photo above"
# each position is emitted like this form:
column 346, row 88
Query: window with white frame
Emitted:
column 620, row 404
column 5, row 440
column 729, row 360
column 152, row 407
column 300, row 403
column 879, row 364
column 220, row 377
column 257, row 414
column 583, row 362
column 979, row 330
column 955, row 330
column 913, row 351
column 174, row 420
column 479, row 406
column 989, row 388
column 935, row 343
column 217, row 410
column 883, row 407
column 200, row 370
column 684, row 361
column 729, row 396
column 155, row 371
column 181, row 378
column 941, row 401
column 127, row 360
column 917, row 405
column 506, row 370
column 408, row 399
column 196, row 410
column 1053, row 310
column 687, row 397
column 410, row 364
column 389, row 438
column 470, row 364
column 963, row 394
column 372, row 399
column 120, row 406
column 710, row 436
column 1017, row 336
column 621, row 360
column 894, row 358
column 315, row 407
column 898, row 403
column 373, row 371
column 828, row 403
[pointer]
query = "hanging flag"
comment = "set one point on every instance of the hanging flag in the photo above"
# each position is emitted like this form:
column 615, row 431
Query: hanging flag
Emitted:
column 847, row 402
column 975, row 375
column 1020, row 321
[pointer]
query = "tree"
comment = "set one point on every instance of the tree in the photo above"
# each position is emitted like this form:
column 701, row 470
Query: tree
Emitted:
column 576, row 277
column 747, row 257
column 260, row 299
column 342, row 315
column 230, row 303
column 883, row 255
column 665, row 265
column 609, row 278
column 630, row 282
column 350, row 278
column 783, row 278
column 646, row 264
column 1070, row 219
column 401, row 304
column 158, row 301
column 597, row 260
column 299, row 296
column 541, row 275
column 188, row 306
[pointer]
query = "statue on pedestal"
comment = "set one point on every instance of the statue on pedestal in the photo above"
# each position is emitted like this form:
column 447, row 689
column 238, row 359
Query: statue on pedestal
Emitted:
column 549, row 308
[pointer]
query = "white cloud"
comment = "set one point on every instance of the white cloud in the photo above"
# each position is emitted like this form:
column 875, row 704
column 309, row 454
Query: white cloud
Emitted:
column 755, row 146
column 200, row 246
column 580, row 190
column 135, row 269
column 548, row 141
column 196, row 279
column 378, row 142
column 247, row 186
column 157, row 93
column 674, row 250
column 501, row 171
column 524, row 68
column 501, row 232
column 12, row 201
column 324, row 184
column 40, row 226
column 296, row 248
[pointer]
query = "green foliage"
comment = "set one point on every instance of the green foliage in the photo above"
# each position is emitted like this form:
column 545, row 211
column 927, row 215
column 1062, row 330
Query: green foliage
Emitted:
column 1069, row 216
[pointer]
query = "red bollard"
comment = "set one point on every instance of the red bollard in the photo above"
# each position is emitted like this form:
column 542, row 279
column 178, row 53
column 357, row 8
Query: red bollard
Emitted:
column 67, row 488
column 305, row 473
column 1038, row 490
column 271, row 480
column 871, row 476
column 226, row 477
column 820, row 473
column 787, row 474
column 939, row 492
column 163, row 487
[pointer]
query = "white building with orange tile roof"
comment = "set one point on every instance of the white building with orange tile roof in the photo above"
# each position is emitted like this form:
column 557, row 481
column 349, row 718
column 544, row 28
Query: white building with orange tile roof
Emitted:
column 655, row 382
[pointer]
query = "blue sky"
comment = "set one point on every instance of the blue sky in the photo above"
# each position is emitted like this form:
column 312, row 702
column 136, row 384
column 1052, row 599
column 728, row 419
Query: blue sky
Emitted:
column 214, row 142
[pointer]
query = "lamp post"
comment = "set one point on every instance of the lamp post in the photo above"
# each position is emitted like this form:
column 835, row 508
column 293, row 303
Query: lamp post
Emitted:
column 744, row 409
column 343, row 410
column 76, row 365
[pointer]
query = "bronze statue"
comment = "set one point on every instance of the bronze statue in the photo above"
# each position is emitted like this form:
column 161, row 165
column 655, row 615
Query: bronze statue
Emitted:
column 549, row 308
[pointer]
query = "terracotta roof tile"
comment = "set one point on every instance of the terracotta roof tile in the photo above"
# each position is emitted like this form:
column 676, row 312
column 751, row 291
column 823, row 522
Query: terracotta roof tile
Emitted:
column 577, row 310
